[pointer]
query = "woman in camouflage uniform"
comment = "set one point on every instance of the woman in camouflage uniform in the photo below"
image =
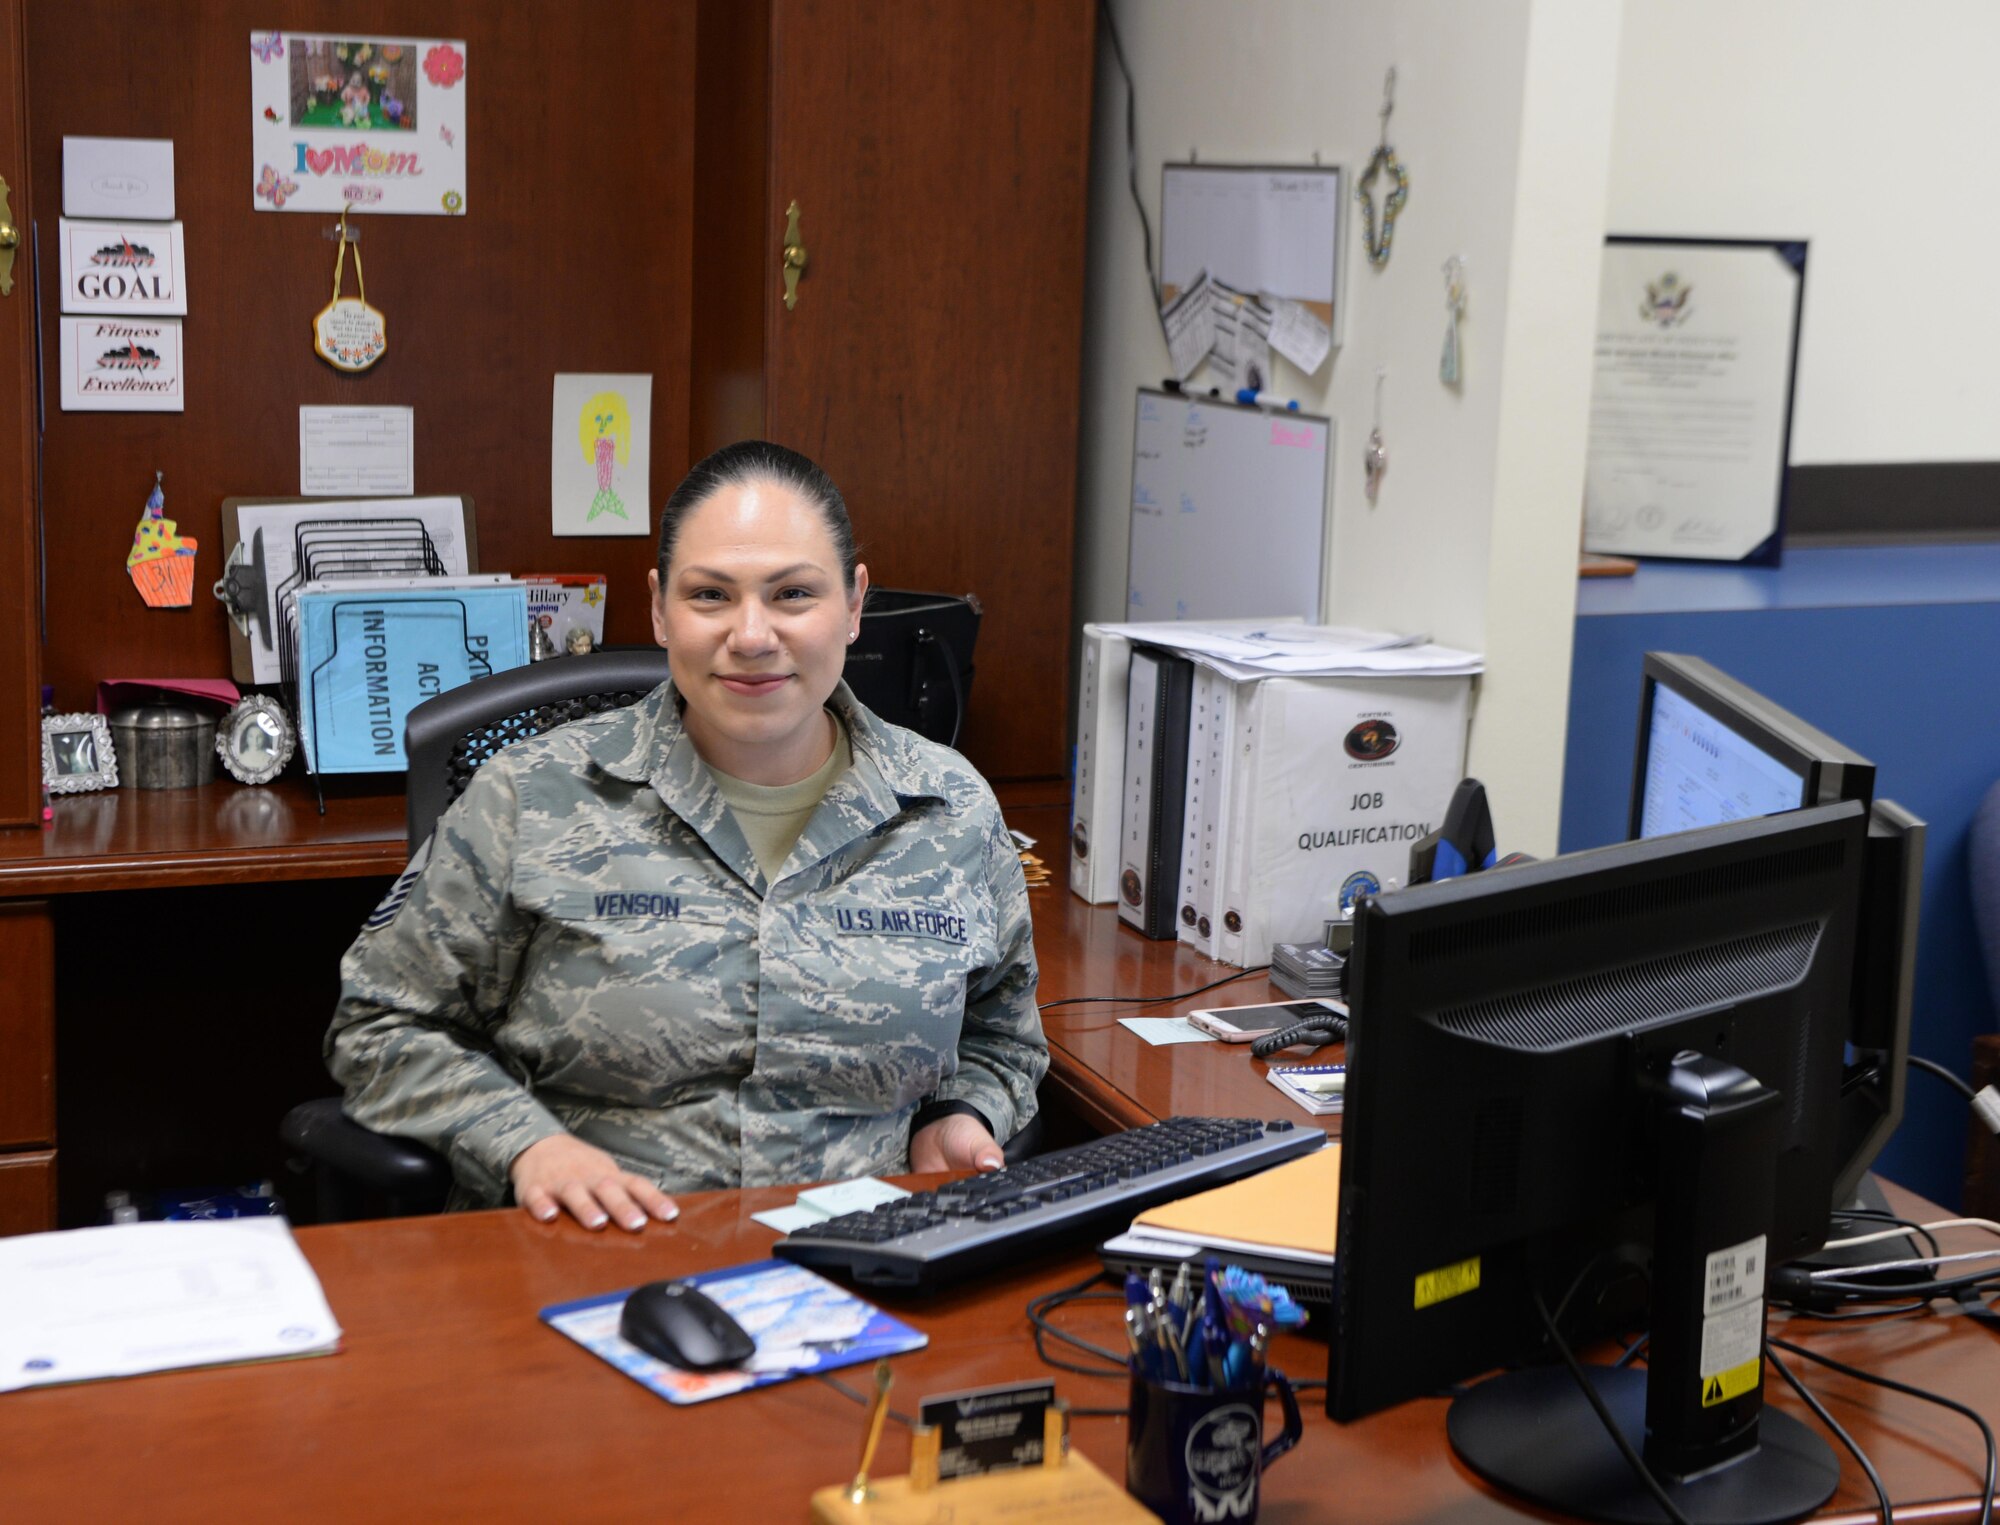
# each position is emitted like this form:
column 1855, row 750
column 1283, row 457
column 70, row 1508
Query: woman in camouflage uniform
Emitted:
column 744, row 932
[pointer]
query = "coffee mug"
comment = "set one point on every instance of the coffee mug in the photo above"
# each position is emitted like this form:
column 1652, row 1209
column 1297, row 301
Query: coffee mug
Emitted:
column 1194, row 1455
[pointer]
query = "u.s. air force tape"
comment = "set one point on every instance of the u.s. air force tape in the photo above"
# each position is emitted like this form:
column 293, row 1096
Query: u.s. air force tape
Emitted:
column 392, row 902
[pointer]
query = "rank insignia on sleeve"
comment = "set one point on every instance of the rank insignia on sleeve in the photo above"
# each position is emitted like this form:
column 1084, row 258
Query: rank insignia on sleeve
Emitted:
column 392, row 902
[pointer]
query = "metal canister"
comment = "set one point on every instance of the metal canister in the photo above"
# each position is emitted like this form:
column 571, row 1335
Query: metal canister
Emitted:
column 164, row 746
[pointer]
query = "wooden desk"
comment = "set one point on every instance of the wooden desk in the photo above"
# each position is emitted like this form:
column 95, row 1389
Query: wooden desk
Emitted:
column 451, row 1400
column 1103, row 1073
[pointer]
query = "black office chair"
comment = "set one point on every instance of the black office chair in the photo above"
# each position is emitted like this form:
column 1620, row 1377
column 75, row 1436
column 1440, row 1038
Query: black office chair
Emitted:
column 357, row 1171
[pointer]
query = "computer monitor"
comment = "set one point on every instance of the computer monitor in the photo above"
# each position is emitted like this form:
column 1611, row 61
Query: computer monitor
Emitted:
column 1711, row 750
column 1609, row 1081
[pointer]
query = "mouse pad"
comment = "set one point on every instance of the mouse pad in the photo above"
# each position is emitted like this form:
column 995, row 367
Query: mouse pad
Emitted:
column 802, row 1323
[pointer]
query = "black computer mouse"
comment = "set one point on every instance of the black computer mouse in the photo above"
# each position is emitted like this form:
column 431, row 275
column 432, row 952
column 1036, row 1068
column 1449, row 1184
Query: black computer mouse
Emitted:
column 674, row 1322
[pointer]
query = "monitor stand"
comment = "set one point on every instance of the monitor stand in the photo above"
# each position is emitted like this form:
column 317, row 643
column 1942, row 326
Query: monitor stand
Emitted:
column 1723, row 1460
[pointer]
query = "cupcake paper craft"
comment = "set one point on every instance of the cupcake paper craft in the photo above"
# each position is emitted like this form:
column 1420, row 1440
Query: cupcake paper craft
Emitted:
column 161, row 563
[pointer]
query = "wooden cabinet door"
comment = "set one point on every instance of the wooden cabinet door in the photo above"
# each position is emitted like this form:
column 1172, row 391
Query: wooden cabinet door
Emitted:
column 20, row 625
column 939, row 155
column 571, row 255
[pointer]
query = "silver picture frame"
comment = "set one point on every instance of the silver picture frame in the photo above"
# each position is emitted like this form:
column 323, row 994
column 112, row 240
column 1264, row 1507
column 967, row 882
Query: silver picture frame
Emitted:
column 77, row 756
column 256, row 739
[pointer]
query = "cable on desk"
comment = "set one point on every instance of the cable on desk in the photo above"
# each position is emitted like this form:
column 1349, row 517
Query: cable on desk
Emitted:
column 1116, row 1365
column 1893, row 1311
column 1985, row 1430
column 1632, row 1458
column 1152, row 1000
column 862, row 1398
column 1854, row 1215
column 1861, row 1456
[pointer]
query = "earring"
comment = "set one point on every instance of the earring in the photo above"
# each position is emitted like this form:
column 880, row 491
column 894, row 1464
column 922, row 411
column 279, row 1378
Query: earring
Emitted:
column 854, row 635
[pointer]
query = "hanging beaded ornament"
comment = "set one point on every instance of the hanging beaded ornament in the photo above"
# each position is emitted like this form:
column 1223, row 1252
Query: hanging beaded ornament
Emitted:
column 1383, row 159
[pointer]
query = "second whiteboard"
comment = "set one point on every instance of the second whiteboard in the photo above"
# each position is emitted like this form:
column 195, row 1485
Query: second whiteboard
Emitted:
column 1228, row 510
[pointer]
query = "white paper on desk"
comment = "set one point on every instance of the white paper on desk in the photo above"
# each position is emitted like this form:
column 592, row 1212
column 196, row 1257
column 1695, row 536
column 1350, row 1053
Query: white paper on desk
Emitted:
column 1298, row 334
column 357, row 452
column 443, row 518
column 139, row 1297
column 788, row 1220
column 118, row 177
column 1159, row 1030
column 817, row 1204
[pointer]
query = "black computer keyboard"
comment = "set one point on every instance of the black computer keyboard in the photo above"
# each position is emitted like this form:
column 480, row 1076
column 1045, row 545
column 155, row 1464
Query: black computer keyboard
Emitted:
column 986, row 1221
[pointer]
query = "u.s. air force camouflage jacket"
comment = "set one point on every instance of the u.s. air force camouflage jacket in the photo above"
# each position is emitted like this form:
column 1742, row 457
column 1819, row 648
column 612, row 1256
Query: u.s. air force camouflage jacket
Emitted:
column 592, row 947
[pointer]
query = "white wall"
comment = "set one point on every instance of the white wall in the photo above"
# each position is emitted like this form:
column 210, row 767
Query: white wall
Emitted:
column 1869, row 129
column 1502, row 119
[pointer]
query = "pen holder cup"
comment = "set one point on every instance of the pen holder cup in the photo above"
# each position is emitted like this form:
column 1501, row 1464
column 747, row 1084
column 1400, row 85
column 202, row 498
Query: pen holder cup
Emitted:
column 1195, row 1454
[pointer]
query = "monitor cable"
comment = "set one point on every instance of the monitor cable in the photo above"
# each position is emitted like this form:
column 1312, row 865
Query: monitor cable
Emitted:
column 1632, row 1458
column 1985, row 1101
column 1860, row 1456
column 1985, row 1430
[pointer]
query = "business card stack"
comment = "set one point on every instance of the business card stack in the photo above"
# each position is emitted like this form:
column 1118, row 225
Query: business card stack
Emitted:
column 1309, row 971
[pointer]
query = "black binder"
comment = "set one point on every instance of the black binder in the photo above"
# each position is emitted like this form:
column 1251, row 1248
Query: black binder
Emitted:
column 1156, row 743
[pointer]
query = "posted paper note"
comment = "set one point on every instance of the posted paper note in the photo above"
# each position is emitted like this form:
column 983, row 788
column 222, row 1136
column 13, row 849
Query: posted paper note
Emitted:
column 357, row 452
column 134, row 267
column 121, row 365
column 600, row 446
column 378, row 122
column 118, row 177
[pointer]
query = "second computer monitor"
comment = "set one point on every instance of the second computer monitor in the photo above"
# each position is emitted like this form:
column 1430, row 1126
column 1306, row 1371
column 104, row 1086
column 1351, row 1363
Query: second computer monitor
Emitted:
column 1713, row 751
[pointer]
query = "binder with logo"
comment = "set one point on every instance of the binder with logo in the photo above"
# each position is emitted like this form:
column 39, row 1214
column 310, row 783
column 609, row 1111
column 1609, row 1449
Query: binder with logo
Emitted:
column 1154, row 814
column 1333, row 780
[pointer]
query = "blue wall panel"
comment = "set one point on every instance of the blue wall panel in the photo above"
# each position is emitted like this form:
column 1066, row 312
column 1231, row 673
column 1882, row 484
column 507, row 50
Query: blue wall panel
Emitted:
column 1913, row 687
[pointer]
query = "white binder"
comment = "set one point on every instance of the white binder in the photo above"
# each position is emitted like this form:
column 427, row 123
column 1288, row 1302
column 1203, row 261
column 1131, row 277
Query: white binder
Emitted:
column 1332, row 781
column 1096, row 799
column 1100, row 766
column 1211, row 725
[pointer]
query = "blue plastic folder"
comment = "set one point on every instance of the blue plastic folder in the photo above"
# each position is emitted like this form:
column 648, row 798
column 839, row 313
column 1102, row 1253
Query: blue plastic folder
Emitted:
column 801, row 1322
column 367, row 658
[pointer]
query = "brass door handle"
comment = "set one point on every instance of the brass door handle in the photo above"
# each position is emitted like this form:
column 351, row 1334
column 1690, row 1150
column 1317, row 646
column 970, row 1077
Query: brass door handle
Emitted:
column 794, row 255
column 10, row 240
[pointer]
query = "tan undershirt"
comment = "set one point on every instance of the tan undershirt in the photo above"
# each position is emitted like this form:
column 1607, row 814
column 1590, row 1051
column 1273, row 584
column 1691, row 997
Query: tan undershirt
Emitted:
column 773, row 816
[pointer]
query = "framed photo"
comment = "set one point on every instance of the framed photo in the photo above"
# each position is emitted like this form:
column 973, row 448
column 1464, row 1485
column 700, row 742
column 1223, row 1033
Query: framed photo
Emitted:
column 77, row 755
column 1691, row 410
column 256, row 739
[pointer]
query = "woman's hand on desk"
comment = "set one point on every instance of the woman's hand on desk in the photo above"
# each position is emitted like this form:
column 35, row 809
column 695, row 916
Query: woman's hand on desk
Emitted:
column 957, row 1142
column 563, row 1172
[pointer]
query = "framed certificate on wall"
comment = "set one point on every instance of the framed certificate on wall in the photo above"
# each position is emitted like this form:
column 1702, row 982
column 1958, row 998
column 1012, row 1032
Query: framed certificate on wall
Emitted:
column 1691, row 406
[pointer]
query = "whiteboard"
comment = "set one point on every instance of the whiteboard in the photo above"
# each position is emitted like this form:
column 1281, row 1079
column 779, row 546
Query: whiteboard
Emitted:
column 1228, row 510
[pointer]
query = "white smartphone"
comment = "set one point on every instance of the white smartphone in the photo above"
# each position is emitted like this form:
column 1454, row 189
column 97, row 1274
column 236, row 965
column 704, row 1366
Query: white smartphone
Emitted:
column 1242, row 1024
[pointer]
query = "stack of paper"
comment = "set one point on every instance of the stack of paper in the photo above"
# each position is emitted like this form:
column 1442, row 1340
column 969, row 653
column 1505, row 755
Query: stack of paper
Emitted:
column 1279, row 648
column 140, row 1297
